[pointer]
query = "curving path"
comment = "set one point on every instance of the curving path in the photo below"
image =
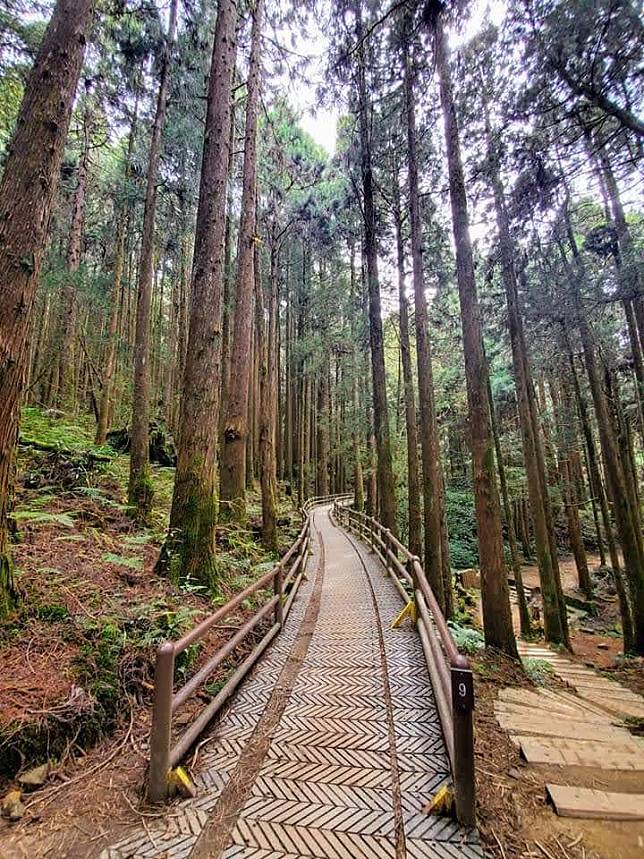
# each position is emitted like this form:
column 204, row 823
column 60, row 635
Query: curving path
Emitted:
column 333, row 745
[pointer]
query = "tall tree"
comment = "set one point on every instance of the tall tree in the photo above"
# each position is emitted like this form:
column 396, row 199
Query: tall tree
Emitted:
column 385, row 475
column 414, row 515
column 122, row 213
column 627, row 516
column 494, row 585
column 64, row 393
column 189, row 548
column 140, row 484
column 27, row 190
column 267, row 328
column 554, row 609
column 236, row 425
column 430, row 444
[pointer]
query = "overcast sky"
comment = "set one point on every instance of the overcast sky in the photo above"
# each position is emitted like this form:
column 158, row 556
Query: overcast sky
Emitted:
column 321, row 122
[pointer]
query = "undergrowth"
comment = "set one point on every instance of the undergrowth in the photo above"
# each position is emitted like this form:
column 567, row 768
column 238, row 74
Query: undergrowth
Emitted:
column 467, row 640
column 538, row 670
column 85, row 569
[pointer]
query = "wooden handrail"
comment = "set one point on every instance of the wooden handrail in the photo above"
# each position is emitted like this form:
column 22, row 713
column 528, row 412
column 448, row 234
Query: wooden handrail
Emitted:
column 289, row 570
column 448, row 669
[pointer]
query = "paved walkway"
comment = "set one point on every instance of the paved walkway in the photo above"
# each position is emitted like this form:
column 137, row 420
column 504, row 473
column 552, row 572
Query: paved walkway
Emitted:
column 332, row 747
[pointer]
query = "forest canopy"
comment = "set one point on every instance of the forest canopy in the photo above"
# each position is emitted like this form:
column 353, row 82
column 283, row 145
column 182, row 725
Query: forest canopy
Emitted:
column 440, row 310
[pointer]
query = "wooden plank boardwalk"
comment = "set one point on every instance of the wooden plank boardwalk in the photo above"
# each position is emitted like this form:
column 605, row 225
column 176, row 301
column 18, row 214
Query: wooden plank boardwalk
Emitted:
column 332, row 747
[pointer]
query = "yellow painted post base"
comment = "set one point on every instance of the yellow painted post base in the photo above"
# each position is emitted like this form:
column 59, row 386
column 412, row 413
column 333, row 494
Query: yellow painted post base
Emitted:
column 442, row 803
column 408, row 611
column 179, row 782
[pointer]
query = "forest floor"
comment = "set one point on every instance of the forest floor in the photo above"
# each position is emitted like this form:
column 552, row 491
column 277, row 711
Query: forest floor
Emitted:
column 596, row 639
column 515, row 819
column 78, row 655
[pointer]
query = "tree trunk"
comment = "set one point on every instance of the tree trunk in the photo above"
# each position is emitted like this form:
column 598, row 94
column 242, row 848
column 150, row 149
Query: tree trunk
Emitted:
column 411, row 421
column 66, row 375
column 626, row 518
column 266, row 347
column 323, row 416
column 430, row 447
column 358, row 475
column 189, row 548
column 497, row 616
column 598, row 489
column 229, row 278
column 236, row 428
column 565, row 444
column 524, row 614
column 140, row 492
column 554, row 612
column 123, row 216
column 110, row 353
column 28, row 185
column 385, row 473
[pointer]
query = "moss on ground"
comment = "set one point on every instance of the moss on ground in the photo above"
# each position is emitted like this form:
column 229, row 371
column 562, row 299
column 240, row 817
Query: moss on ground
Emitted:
column 91, row 600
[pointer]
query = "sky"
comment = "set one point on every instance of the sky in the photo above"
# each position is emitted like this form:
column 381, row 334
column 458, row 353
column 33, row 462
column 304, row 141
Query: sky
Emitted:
column 322, row 126
column 321, row 121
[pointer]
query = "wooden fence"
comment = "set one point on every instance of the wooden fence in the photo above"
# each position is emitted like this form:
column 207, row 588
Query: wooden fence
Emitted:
column 285, row 578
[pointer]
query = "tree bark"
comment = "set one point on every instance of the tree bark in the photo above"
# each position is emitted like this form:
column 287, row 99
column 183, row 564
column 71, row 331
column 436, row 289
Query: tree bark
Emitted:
column 66, row 377
column 266, row 347
column 358, row 476
column 236, row 427
column 27, row 189
column 563, row 425
column 626, row 518
column 385, row 473
column 598, row 489
column 414, row 515
column 497, row 616
column 430, row 446
column 123, row 214
column 322, row 414
column 189, row 548
column 554, row 612
column 140, row 492
column 524, row 614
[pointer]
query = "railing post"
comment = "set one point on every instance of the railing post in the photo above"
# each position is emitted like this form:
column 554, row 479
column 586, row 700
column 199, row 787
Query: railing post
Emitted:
column 411, row 569
column 278, row 591
column 388, row 548
column 462, row 708
column 161, row 723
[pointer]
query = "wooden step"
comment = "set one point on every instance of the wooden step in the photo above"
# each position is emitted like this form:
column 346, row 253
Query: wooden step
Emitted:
column 627, row 754
column 549, row 725
column 589, row 803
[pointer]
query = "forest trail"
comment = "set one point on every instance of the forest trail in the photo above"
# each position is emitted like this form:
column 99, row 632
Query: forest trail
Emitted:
column 333, row 746
column 597, row 689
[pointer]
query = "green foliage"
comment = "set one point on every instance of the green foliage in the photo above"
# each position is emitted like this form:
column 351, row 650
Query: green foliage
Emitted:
column 122, row 561
column 466, row 639
column 52, row 613
column 538, row 670
column 54, row 429
column 137, row 539
column 214, row 688
column 157, row 623
column 42, row 517
column 461, row 526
